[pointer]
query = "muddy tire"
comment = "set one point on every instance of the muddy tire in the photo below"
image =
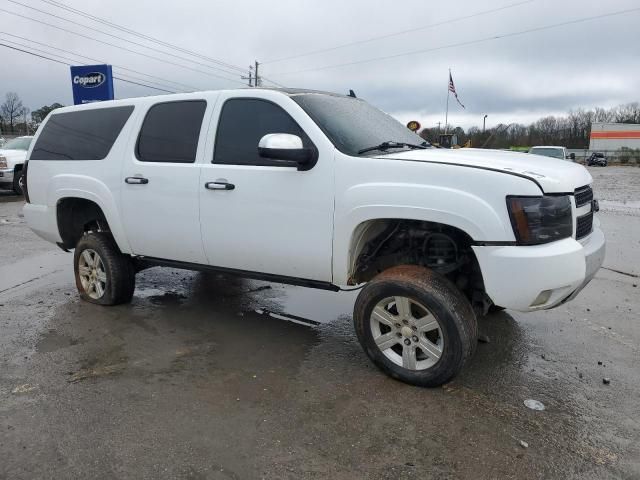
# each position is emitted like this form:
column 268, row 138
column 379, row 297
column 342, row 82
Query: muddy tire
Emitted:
column 415, row 325
column 103, row 274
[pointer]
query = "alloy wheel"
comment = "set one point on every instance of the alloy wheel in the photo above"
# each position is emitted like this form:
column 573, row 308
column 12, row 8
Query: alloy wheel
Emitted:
column 92, row 273
column 407, row 333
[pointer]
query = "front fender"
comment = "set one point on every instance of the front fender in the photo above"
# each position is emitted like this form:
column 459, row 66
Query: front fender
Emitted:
column 463, row 210
column 89, row 188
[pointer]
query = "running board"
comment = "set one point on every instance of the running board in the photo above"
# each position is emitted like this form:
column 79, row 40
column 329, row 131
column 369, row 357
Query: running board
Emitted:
column 145, row 262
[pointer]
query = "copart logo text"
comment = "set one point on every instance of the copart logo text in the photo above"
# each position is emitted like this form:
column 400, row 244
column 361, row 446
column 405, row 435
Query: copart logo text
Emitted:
column 90, row 80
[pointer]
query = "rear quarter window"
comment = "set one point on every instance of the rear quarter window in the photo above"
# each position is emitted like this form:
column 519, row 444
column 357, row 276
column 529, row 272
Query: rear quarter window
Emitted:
column 80, row 135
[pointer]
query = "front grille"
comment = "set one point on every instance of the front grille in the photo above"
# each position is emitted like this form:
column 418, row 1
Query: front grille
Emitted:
column 583, row 196
column 584, row 225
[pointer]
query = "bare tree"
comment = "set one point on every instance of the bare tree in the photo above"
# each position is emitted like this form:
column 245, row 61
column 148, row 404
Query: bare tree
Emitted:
column 11, row 110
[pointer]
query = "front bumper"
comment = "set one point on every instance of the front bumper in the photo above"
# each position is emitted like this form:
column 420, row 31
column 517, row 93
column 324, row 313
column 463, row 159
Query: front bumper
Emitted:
column 6, row 176
column 515, row 277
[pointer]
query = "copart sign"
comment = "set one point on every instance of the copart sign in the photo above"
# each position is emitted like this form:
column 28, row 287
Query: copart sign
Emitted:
column 91, row 83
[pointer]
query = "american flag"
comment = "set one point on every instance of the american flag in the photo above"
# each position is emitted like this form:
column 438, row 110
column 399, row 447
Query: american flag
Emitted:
column 452, row 89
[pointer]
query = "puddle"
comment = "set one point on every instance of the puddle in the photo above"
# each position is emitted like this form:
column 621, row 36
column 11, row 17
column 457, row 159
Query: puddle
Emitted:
column 168, row 298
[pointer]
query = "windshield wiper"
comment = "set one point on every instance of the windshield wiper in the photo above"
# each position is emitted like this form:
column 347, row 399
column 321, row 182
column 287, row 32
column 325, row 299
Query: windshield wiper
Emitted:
column 387, row 145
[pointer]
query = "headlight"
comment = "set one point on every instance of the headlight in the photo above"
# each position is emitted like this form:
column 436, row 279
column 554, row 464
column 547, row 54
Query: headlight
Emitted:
column 538, row 220
column 3, row 162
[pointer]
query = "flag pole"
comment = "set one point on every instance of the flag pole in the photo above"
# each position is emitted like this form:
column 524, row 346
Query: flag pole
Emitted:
column 446, row 115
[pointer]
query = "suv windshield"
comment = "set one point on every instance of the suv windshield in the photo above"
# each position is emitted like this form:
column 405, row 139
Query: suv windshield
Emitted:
column 21, row 143
column 353, row 125
column 548, row 152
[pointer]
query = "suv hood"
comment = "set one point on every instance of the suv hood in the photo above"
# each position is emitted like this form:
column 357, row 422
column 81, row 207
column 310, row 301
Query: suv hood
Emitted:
column 552, row 174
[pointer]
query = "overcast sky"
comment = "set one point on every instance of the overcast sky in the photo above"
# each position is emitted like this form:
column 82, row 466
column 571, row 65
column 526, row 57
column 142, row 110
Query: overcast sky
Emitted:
column 518, row 78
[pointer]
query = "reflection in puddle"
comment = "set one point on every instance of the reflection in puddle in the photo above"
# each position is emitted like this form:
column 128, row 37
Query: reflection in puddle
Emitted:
column 170, row 287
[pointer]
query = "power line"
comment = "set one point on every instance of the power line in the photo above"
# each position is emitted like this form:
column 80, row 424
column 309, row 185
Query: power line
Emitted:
column 76, row 62
column 262, row 77
column 118, row 46
column 470, row 42
column 146, row 37
column 68, row 64
column 141, row 35
column 401, row 32
column 162, row 88
column 119, row 38
column 189, row 87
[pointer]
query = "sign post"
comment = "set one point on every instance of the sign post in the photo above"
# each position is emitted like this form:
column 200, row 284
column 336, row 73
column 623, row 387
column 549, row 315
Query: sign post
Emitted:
column 91, row 83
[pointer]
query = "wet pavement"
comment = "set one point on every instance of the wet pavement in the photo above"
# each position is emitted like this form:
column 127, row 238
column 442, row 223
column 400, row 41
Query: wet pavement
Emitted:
column 206, row 376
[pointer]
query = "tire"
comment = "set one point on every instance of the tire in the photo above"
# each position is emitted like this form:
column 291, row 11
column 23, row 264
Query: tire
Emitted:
column 99, row 259
column 454, row 338
column 17, row 176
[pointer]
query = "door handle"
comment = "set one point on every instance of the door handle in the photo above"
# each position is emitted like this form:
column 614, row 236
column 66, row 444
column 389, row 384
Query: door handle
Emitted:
column 219, row 186
column 136, row 180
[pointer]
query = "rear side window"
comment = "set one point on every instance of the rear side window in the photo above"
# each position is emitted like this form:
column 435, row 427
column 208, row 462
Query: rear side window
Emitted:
column 243, row 122
column 170, row 132
column 81, row 135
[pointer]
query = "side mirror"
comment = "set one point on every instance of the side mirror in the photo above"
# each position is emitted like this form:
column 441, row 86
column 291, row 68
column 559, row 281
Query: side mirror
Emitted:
column 287, row 148
column 572, row 156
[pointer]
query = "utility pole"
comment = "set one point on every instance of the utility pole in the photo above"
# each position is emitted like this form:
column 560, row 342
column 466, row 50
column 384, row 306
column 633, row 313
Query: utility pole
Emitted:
column 439, row 127
column 484, row 122
column 250, row 77
column 258, row 80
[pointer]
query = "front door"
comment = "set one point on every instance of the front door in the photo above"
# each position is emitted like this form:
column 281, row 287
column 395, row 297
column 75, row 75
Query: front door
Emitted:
column 258, row 215
column 159, row 203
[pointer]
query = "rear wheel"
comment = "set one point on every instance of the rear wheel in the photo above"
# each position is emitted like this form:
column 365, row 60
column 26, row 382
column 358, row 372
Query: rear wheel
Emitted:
column 103, row 274
column 415, row 325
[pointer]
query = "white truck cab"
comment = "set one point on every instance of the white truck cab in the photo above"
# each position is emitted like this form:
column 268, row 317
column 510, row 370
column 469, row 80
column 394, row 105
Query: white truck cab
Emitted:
column 321, row 190
column 12, row 158
column 553, row 152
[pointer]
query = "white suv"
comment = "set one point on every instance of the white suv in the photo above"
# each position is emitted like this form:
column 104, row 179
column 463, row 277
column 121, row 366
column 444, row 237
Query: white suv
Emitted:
column 321, row 190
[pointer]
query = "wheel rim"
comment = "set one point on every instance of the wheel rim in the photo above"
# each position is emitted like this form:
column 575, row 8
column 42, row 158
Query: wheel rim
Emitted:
column 92, row 273
column 407, row 333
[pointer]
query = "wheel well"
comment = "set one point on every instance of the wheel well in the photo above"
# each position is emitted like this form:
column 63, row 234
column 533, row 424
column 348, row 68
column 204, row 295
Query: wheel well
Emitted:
column 18, row 167
column 77, row 216
column 384, row 243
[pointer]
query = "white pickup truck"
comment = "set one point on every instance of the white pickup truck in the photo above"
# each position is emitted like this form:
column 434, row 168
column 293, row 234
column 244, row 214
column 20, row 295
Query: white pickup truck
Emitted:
column 12, row 158
column 320, row 190
column 553, row 152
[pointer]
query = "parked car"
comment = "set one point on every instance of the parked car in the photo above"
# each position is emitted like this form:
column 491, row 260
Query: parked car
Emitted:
column 320, row 190
column 12, row 158
column 598, row 159
column 553, row 152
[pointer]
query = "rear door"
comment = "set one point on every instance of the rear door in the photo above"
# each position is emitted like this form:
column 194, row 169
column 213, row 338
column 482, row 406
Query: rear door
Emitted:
column 272, row 218
column 160, row 182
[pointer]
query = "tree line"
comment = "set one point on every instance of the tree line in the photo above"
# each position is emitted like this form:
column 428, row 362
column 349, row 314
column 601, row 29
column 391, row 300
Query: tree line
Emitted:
column 16, row 119
column 571, row 131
